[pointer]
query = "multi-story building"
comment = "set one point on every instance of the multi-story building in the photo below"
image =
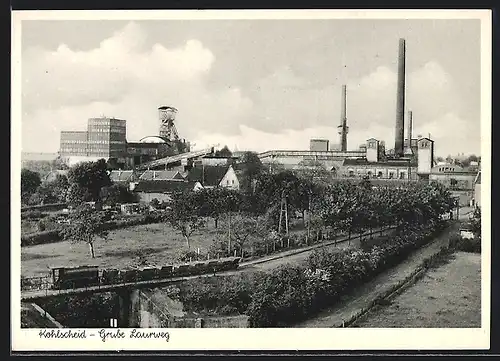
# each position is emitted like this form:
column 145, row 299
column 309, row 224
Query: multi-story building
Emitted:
column 104, row 138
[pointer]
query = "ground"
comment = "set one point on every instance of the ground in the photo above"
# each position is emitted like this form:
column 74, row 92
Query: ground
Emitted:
column 157, row 244
column 448, row 296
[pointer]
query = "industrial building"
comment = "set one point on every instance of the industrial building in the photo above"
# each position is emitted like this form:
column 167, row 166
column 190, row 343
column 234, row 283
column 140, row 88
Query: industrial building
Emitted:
column 411, row 159
column 107, row 138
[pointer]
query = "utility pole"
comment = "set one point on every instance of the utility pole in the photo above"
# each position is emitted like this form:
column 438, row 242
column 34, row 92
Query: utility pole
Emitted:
column 283, row 213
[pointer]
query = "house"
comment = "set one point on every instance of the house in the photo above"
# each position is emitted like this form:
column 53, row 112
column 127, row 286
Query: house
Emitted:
column 52, row 175
column 453, row 176
column 214, row 176
column 161, row 175
column 162, row 190
column 476, row 201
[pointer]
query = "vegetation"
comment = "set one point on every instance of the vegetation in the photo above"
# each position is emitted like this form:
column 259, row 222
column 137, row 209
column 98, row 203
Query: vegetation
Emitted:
column 30, row 181
column 86, row 225
column 291, row 293
column 87, row 180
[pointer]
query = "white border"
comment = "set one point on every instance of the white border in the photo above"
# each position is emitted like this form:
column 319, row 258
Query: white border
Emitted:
column 261, row 339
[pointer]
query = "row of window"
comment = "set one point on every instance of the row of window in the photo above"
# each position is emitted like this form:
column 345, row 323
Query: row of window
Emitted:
column 379, row 174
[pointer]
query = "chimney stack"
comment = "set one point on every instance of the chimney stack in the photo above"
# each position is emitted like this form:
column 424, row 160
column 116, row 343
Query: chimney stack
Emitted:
column 410, row 125
column 400, row 105
column 343, row 120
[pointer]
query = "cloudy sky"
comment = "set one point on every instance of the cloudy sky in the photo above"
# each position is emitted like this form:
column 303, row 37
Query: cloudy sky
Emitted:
column 252, row 84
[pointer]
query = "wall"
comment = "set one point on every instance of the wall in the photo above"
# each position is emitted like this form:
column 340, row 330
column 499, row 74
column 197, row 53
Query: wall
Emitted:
column 477, row 195
column 154, row 309
column 464, row 180
column 230, row 180
column 464, row 196
column 148, row 197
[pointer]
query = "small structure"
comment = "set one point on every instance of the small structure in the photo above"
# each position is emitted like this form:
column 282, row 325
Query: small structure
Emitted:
column 53, row 174
column 214, row 176
column 162, row 190
column 466, row 231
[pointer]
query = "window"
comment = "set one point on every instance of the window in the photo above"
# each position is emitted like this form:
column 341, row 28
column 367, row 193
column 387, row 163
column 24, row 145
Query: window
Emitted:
column 380, row 174
column 391, row 175
column 401, row 175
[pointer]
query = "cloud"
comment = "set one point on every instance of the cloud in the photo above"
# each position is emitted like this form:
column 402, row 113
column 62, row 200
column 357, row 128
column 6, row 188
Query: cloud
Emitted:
column 125, row 79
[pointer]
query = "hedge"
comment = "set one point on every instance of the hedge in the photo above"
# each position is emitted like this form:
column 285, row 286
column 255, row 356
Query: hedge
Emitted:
column 293, row 293
column 53, row 236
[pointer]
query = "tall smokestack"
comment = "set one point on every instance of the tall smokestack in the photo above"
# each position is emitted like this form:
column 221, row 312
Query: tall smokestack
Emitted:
column 410, row 125
column 343, row 120
column 400, row 105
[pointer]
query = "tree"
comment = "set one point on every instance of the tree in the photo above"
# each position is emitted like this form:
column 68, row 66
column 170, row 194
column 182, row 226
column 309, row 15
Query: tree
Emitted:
column 30, row 181
column 251, row 167
column 90, row 177
column 475, row 221
column 60, row 163
column 86, row 225
column 116, row 193
column 224, row 152
column 185, row 214
column 243, row 226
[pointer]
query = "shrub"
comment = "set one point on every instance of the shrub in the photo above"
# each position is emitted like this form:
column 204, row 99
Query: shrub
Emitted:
column 291, row 293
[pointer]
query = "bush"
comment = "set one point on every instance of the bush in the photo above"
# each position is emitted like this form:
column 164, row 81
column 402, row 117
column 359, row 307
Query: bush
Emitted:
column 40, row 238
column 291, row 293
column 468, row 245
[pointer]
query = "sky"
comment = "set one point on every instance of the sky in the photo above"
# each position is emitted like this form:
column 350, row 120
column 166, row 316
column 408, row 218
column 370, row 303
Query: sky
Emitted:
column 252, row 84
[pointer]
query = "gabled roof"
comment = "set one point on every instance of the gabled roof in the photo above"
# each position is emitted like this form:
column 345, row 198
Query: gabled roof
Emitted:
column 163, row 186
column 207, row 175
column 121, row 175
column 477, row 180
column 54, row 173
column 161, row 175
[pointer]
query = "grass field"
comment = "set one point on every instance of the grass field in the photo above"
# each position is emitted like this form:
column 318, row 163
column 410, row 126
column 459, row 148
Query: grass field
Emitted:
column 447, row 296
column 154, row 244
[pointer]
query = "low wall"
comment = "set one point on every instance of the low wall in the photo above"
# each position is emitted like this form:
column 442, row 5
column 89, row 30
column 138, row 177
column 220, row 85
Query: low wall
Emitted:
column 154, row 309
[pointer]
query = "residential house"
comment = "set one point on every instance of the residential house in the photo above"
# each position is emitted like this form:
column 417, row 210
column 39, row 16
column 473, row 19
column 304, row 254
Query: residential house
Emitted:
column 453, row 176
column 214, row 176
column 121, row 176
column 162, row 190
column 161, row 175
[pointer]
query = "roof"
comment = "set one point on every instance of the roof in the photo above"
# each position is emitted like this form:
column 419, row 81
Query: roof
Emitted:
column 163, row 186
column 121, row 175
column 478, row 178
column 152, row 139
column 207, row 175
column 54, row 173
column 388, row 163
column 161, row 175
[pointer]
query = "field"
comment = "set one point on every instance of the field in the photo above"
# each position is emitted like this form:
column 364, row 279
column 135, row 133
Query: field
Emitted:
column 153, row 244
column 447, row 296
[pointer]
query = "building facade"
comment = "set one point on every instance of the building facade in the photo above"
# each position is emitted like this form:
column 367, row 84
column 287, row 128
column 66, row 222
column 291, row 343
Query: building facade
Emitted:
column 105, row 138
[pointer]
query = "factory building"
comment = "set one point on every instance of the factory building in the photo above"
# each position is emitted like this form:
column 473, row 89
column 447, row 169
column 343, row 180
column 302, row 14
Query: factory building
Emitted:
column 107, row 138
column 410, row 159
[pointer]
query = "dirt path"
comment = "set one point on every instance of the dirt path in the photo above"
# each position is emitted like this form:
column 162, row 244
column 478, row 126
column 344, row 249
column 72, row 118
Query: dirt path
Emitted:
column 448, row 296
column 298, row 256
column 363, row 295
